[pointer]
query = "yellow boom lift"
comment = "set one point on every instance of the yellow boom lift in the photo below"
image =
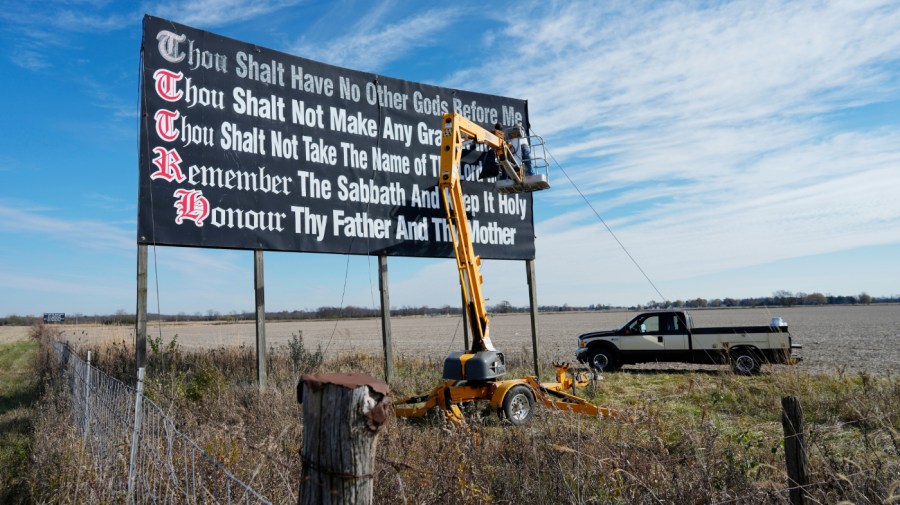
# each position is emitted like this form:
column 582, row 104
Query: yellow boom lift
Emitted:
column 475, row 374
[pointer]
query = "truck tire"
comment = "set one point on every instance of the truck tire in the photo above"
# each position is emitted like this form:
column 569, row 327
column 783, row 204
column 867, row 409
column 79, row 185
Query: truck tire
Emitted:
column 745, row 362
column 603, row 359
column 518, row 405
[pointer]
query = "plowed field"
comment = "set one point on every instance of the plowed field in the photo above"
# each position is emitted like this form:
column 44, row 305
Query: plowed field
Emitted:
column 849, row 338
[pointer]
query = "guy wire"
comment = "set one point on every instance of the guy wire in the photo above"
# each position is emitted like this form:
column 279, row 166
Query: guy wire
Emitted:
column 578, row 190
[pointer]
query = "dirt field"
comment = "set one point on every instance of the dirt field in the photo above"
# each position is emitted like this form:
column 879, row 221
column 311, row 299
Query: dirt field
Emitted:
column 852, row 338
column 9, row 334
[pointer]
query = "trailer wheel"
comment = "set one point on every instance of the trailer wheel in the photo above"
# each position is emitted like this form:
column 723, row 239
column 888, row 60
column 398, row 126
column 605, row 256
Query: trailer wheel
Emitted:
column 603, row 359
column 518, row 405
column 745, row 362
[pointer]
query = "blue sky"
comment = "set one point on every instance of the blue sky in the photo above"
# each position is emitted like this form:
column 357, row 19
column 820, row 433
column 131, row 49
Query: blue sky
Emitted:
column 736, row 148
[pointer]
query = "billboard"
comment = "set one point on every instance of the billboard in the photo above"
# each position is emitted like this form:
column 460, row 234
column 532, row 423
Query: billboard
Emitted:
column 245, row 147
column 54, row 317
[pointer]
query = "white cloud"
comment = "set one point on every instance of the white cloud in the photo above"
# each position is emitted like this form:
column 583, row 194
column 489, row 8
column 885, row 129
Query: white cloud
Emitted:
column 706, row 131
column 212, row 13
column 22, row 219
column 379, row 37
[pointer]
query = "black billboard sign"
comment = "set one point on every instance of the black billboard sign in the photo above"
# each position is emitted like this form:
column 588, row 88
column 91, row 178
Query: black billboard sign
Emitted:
column 248, row 148
column 54, row 317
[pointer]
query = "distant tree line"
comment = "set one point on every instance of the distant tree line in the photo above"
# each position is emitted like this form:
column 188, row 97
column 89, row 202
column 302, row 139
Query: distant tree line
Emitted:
column 778, row 299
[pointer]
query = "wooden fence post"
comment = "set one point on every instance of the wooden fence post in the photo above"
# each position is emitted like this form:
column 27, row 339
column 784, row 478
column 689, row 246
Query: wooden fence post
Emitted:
column 794, row 448
column 341, row 417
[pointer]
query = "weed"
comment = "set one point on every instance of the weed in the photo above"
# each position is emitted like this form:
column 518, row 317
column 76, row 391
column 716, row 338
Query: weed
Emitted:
column 303, row 360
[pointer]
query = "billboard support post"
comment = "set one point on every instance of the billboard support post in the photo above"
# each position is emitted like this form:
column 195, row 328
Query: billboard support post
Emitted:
column 140, row 321
column 385, row 319
column 532, row 298
column 260, row 287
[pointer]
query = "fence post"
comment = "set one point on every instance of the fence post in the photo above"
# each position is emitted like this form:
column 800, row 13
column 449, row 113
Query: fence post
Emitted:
column 132, row 459
column 341, row 417
column 794, row 448
column 87, row 395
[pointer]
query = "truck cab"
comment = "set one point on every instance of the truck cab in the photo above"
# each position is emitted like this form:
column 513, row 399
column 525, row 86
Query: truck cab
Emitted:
column 670, row 336
column 659, row 336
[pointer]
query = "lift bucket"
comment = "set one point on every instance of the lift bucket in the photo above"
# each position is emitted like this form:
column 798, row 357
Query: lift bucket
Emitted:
column 532, row 158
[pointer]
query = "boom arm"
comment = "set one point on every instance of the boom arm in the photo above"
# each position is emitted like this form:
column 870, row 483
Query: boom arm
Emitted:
column 473, row 374
column 456, row 130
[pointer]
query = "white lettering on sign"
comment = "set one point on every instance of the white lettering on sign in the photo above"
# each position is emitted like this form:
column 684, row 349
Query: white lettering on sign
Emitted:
column 306, row 116
column 381, row 95
column 367, row 191
column 360, row 225
column 512, row 205
column 249, row 141
column 266, row 72
column 247, row 219
column 169, row 46
column 317, row 151
column 266, row 107
column 397, row 131
column 428, row 136
column 355, row 124
column 412, row 230
column 311, row 83
column 255, row 181
column 309, row 223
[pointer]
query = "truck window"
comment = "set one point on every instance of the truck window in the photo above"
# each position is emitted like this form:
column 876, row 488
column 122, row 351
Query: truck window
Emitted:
column 671, row 324
column 650, row 325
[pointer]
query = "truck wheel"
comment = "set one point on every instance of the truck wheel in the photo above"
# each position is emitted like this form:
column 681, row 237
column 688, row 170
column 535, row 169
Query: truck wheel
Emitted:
column 745, row 362
column 518, row 405
column 603, row 359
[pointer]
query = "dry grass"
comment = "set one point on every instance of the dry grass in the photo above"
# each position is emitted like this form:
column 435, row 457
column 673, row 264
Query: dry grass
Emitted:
column 699, row 437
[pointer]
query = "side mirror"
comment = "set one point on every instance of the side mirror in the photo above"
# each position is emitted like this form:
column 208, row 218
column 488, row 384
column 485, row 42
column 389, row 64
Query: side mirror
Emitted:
column 643, row 328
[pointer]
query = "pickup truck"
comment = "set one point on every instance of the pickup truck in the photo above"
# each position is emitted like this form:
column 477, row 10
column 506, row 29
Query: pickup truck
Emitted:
column 670, row 336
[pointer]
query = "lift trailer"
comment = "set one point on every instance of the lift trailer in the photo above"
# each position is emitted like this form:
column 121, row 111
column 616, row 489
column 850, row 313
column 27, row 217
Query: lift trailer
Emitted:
column 475, row 374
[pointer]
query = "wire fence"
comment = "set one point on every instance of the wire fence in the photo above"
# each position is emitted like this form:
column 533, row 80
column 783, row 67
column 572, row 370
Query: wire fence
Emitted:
column 136, row 450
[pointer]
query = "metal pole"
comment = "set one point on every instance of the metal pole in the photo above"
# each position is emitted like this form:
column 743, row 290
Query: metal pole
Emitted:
column 260, row 287
column 132, row 460
column 140, row 330
column 532, row 298
column 87, row 395
column 385, row 319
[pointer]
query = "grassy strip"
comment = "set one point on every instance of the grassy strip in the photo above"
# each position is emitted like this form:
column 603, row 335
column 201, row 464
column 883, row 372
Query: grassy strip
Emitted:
column 19, row 389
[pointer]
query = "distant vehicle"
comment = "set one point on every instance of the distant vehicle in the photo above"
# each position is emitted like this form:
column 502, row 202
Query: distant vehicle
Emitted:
column 670, row 336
